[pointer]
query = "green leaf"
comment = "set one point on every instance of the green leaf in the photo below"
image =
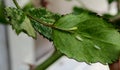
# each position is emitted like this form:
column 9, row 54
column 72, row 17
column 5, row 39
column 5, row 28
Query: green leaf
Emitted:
column 20, row 22
column 78, row 10
column 110, row 1
column 2, row 16
column 46, row 17
column 27, row 6
column 93, row 41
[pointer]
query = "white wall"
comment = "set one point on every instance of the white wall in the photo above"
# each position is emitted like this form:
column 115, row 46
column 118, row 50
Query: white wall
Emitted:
column 21, row 46
column 3, row 50
column 21, row 50
column 63, row 7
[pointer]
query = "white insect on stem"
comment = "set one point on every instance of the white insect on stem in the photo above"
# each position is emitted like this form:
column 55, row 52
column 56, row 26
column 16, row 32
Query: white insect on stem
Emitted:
column 79, row 38
column 73, row 28
column 97, row 47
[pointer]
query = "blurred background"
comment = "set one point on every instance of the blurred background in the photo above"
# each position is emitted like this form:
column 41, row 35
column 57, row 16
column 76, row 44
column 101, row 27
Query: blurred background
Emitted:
column 19, row 52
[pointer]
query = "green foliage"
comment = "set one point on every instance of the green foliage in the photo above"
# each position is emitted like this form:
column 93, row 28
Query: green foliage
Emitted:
column 19, row 21
column 93, row 40
column 107, row 16
column 110, row 1
column 113, row 19
column 46, row 17
column 2, row 16
column 82, row 35
column 78, row 10
column 27, row 7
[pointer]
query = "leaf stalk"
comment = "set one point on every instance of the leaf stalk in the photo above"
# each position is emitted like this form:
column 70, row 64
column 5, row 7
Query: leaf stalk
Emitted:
column 16, row 4
column 55, row 56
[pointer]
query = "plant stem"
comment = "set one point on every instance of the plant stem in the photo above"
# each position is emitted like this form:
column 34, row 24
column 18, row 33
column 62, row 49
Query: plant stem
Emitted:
column 40, row 21
column 49, row 24
column 17, row 5
column 55, row 56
